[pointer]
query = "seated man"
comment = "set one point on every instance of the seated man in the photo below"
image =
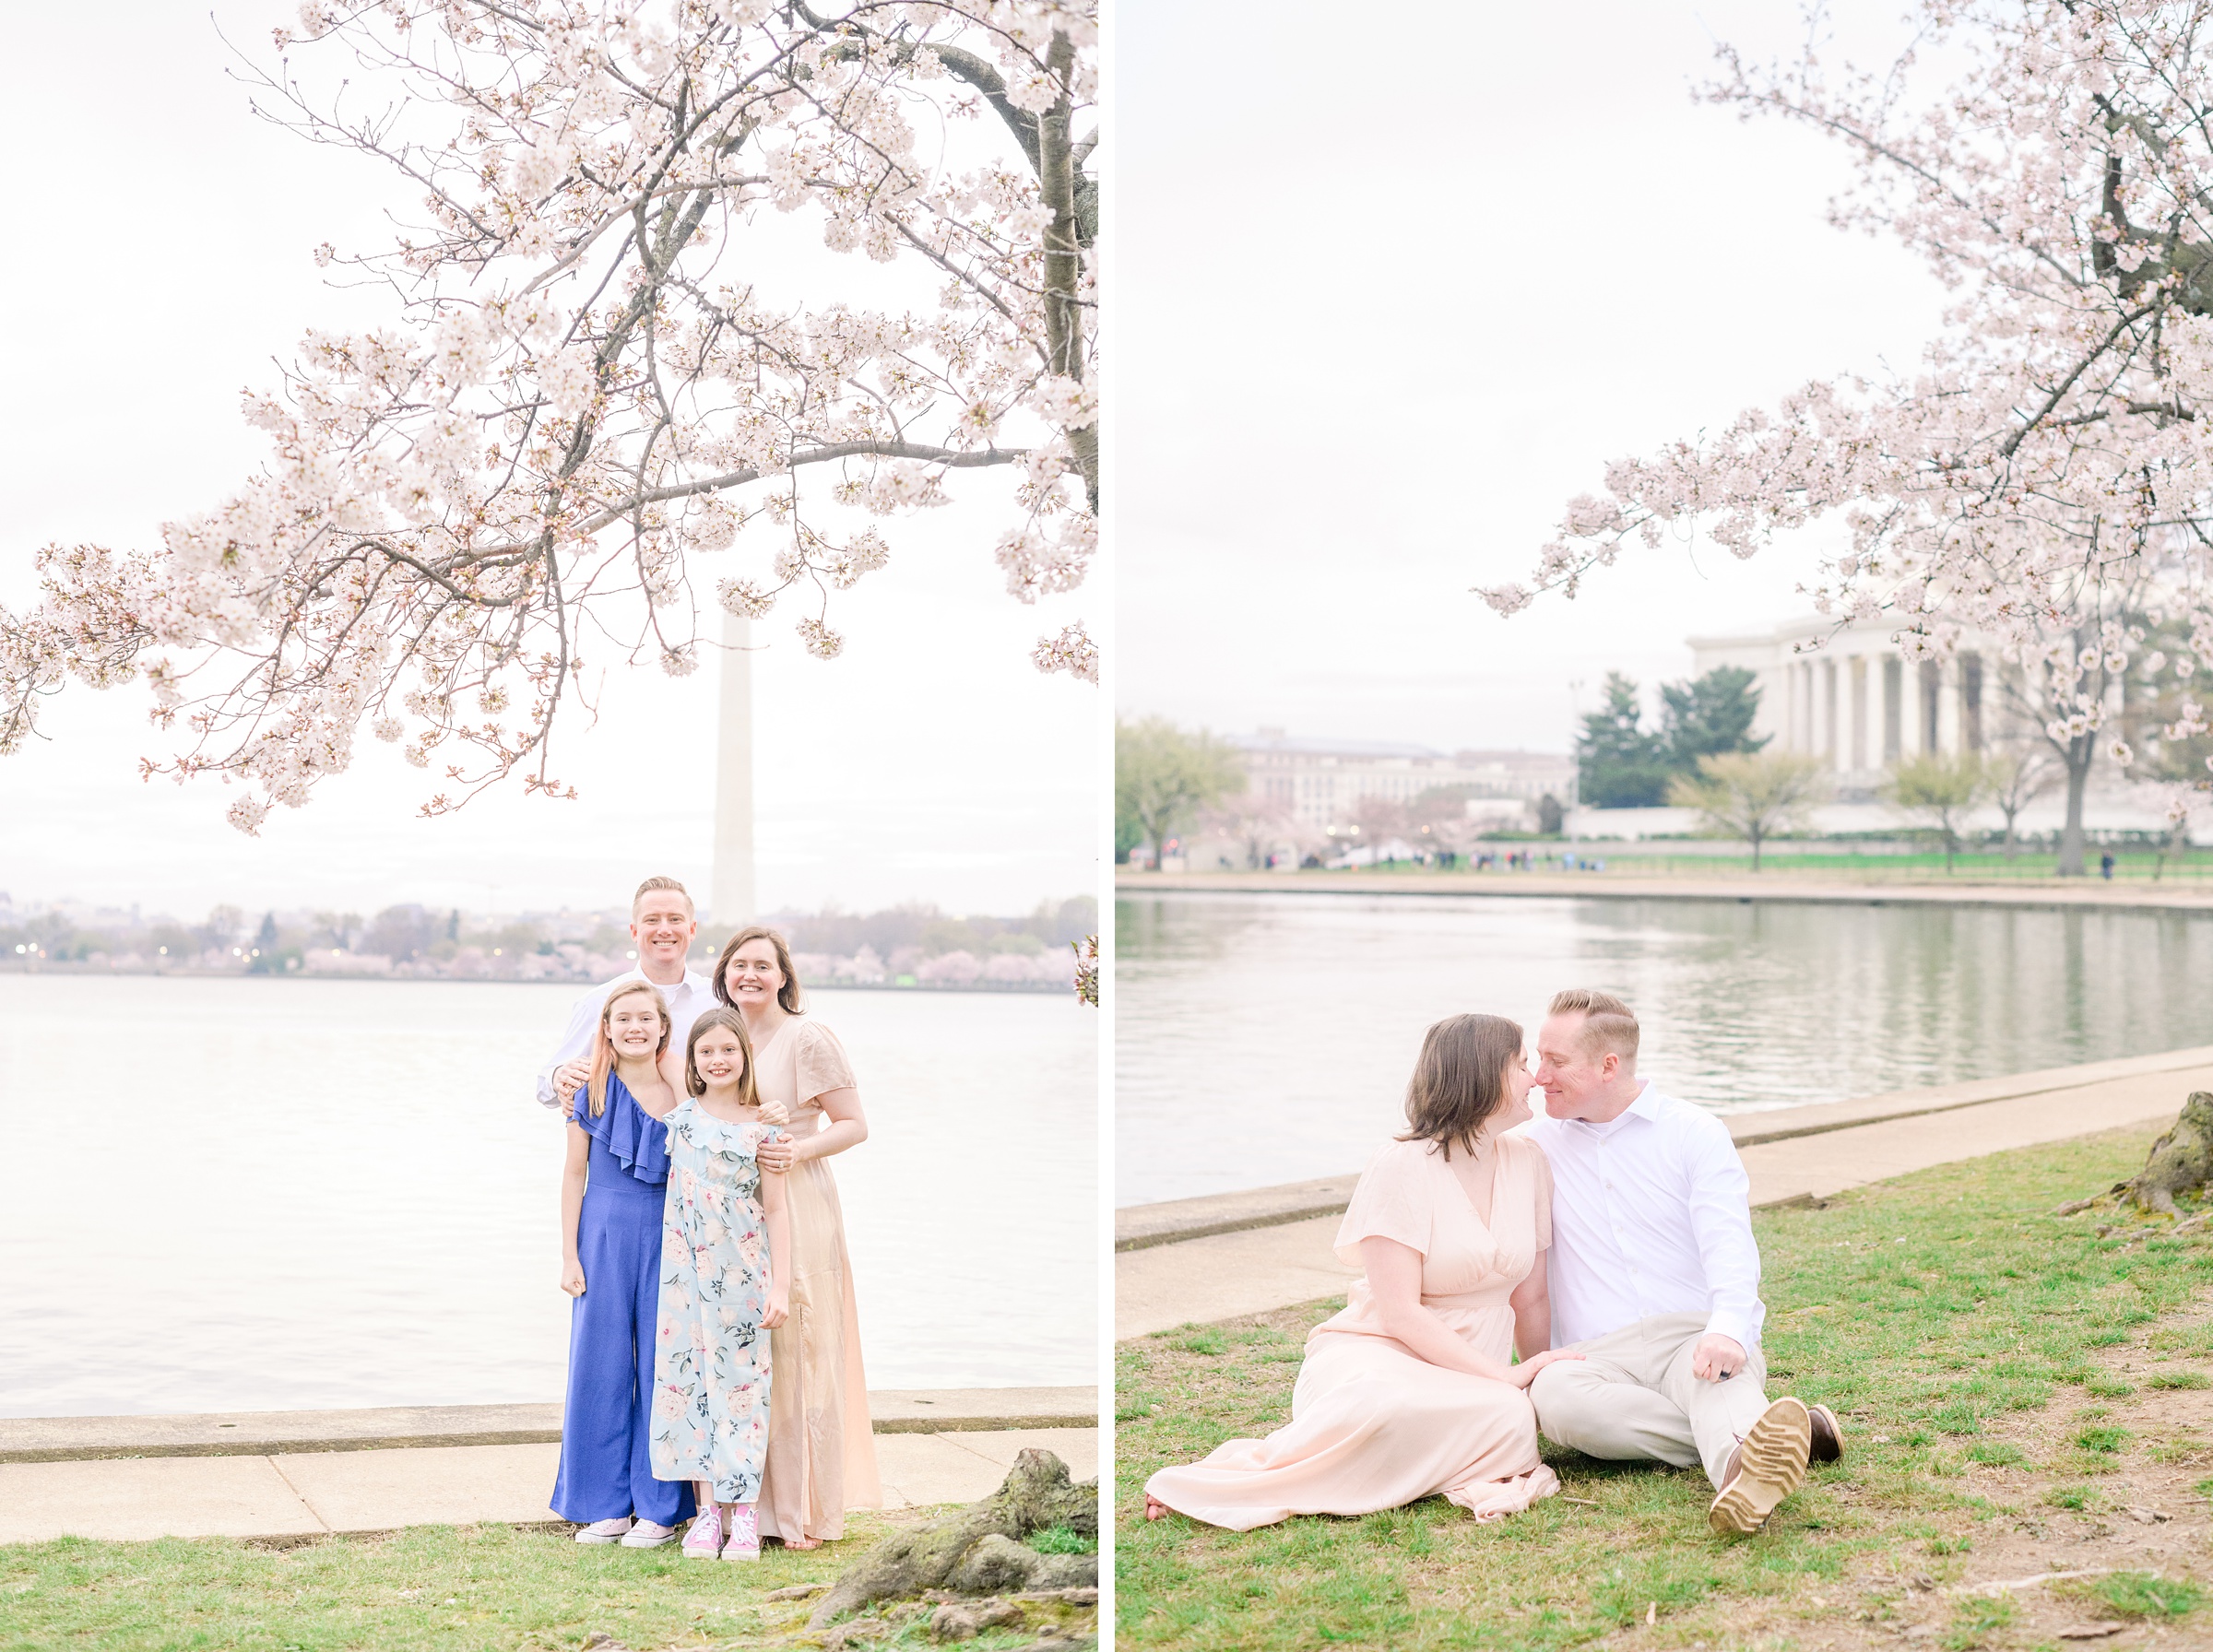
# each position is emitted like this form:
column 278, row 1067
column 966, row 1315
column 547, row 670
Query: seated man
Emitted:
column 1655, row 1277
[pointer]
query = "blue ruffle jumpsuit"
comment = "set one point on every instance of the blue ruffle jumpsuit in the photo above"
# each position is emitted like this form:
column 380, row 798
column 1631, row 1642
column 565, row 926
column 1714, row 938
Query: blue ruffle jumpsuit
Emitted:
column 606, row 1447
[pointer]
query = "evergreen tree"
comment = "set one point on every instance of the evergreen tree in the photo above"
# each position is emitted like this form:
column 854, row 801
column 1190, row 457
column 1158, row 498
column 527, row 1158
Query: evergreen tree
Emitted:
column 1709, row 716
column 1621, row 765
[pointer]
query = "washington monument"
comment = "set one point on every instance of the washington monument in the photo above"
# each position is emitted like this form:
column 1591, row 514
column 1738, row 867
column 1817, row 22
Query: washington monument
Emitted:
column 733, row 899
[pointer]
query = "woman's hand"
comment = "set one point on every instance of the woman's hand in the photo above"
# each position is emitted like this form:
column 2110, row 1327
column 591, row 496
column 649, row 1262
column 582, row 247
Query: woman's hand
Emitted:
column 778, row 1311
column 777, row 1154
column 571, row 1278
column 775, row 1113
column 1524, row 1373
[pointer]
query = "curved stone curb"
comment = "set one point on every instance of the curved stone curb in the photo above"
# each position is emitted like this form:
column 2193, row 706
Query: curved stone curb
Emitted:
column 380, row 1428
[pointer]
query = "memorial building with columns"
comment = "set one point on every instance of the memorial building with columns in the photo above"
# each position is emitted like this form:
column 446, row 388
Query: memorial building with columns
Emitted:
column 1857, row 704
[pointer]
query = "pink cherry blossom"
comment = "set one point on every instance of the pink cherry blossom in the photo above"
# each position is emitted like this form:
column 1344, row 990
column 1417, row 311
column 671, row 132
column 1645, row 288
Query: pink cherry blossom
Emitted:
column 595, row 398
column 2044, row 480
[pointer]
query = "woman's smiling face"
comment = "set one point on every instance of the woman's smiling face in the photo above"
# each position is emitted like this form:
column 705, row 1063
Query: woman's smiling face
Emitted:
column 752, row 977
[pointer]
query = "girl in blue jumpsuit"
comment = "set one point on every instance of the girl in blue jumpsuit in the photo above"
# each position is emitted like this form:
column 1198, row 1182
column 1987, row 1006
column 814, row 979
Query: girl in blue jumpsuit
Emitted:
column 614, row 1189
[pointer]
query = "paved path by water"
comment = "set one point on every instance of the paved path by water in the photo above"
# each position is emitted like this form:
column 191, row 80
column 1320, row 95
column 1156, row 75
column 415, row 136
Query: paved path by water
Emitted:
column 1278, row 1251
column 306, row 1492
column 2084, row 893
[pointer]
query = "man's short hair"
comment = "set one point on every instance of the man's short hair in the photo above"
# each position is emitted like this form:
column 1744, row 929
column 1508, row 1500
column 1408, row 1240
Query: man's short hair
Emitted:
column 1608, row 1023
column 652, row 884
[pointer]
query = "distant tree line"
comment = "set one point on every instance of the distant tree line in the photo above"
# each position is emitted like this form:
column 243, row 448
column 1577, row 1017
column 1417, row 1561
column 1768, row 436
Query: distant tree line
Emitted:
column 1622, row 764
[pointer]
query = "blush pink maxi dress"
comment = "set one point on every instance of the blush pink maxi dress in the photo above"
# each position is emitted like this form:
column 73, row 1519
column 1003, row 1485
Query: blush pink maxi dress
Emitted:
column 1373, row 1425
column 821, row 1453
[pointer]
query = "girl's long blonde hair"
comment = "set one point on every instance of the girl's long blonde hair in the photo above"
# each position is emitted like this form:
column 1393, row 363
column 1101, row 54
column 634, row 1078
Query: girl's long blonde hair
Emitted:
column 749, row 1092
column 603, row 1048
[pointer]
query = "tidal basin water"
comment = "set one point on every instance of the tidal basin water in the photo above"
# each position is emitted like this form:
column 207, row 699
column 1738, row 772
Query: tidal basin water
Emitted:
column 240, row 1195
column 1268, row 1038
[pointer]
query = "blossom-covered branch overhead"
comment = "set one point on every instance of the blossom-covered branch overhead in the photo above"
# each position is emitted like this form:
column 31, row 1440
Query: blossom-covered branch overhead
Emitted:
column 596, row 408
column 2046, row 478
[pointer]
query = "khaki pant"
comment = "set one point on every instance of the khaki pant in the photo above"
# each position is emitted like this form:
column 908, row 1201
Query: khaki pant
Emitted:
column 1633, row 1396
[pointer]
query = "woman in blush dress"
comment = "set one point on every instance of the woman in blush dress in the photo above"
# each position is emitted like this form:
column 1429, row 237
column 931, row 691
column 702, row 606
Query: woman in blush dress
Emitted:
column 821, row 1456
column 1408, row 1392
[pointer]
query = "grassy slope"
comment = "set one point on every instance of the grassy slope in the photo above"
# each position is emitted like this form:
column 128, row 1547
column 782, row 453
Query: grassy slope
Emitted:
column 1949, row 1312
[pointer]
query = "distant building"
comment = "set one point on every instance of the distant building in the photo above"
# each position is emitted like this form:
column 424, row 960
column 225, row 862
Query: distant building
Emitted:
column 1858, row 704
column 1322, row 783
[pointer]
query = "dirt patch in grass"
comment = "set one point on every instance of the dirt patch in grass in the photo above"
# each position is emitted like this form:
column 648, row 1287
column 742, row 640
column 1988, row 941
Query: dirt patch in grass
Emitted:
column 2012, row 1384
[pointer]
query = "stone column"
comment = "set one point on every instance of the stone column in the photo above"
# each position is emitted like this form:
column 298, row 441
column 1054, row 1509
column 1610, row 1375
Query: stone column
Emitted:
column 1859, row 714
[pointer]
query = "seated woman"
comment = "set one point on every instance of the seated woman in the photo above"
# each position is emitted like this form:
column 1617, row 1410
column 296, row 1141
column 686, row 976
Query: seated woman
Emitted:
column 1408, row 1392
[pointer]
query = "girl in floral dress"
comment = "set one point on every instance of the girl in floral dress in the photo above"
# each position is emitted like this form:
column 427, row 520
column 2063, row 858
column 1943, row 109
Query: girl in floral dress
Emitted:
column 726, row 1283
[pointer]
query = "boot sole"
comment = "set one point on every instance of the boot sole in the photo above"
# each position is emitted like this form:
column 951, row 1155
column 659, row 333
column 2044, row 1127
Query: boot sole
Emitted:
column 1769, row 1467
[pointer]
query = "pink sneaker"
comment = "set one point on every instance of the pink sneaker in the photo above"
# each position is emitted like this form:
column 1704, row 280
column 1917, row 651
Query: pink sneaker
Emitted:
column 703, row 1540
column 745, row 1533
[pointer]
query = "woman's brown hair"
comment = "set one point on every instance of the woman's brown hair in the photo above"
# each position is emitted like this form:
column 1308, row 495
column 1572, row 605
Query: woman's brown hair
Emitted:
column 787, row 995
column 749, row 1093
column 603, row 1048
column 1460, row 1081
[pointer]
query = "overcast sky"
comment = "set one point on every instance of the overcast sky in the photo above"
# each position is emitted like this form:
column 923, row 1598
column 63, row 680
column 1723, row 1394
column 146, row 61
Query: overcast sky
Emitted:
column 160, row 258
column 1391, row 294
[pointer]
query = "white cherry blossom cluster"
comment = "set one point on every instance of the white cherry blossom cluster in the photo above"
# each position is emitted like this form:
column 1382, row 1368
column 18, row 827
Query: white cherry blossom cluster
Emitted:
column 2046, row 478
column 586, row 388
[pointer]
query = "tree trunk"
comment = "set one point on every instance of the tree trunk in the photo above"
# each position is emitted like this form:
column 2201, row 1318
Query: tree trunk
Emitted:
column 2012, row 844
column 2181, row 1161
column 1035, row 1496
column 2078, row 754
column 1755, row 836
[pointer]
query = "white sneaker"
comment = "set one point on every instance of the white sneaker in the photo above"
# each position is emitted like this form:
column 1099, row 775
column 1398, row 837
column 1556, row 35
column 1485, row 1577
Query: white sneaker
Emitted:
column 604, row 1531
column 646, row 1535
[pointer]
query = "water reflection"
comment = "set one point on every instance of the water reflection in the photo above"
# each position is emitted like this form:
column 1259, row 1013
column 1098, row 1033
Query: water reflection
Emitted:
column 1265, row 1038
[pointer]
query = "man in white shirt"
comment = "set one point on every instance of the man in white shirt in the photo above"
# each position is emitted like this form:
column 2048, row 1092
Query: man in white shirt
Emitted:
column 1655, row 1277
column 663, row 925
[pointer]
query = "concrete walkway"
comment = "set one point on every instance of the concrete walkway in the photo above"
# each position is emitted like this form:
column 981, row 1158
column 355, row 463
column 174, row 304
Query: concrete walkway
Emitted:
column 2074, row 893
column 306, row 1494
column 1279, row 1252
column 284, row 1475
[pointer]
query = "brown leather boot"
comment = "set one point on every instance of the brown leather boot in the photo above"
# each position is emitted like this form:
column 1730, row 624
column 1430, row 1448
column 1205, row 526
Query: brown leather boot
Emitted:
column 1768, row 1465
column 1828, row 1438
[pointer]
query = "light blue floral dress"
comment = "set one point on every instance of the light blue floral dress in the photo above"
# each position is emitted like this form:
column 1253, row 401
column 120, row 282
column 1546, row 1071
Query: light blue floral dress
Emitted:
column 711, row 1362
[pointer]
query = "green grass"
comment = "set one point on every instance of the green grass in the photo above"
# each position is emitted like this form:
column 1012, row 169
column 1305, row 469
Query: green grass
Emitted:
column 447, row 1589
column 2138, row 1594
column 1929, row 1311
column 1062, row 1539
column 2178, row 1379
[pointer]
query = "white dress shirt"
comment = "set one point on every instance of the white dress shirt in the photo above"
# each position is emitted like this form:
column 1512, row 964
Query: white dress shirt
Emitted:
column 1651, row 1214
column 688, row 1000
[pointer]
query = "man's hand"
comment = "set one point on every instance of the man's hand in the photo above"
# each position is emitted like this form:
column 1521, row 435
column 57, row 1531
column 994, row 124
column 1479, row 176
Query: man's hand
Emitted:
column 568, row 1079
column 1716, row 1358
